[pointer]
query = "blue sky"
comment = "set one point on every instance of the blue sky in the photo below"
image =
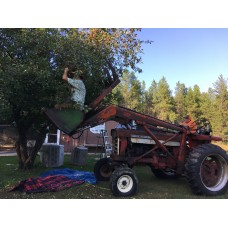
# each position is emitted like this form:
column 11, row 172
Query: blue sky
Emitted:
column 191, row 56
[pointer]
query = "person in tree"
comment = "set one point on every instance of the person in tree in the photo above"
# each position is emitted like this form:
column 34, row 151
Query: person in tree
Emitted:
column 77, row 88
column 190, row 124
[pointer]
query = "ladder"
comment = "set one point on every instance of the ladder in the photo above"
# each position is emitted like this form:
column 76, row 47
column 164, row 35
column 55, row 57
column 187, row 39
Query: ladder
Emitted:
column 106, row 144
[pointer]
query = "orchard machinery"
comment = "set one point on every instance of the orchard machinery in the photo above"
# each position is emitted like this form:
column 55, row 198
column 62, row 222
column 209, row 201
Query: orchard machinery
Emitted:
column 170, row 150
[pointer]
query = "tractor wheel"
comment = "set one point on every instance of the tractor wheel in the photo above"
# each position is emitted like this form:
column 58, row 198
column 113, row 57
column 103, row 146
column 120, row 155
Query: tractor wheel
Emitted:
column 124, row 182
column 207, row 170
column 164, row 173
column 103, row 170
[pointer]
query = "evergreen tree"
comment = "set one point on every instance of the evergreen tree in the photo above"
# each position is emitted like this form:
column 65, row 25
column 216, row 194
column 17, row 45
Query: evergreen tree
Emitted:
column 179, row 98
column 131, row 90
column 143, row 100
column 193, row 102
column 115, row 98
column 163, row 102
column 149, row 99
column 207, row 107
column 221, row 104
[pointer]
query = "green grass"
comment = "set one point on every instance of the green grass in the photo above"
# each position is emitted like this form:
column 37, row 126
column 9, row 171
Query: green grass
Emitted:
column 149, row 186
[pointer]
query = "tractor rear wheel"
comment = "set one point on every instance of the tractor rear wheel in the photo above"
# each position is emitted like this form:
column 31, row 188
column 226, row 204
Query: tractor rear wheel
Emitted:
column 207, row 170
column 103, row 170
column 124, row 182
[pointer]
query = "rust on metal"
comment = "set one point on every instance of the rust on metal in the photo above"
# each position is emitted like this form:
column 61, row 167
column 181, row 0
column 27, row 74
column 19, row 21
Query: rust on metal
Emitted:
column 182, row 153
column 205, row 137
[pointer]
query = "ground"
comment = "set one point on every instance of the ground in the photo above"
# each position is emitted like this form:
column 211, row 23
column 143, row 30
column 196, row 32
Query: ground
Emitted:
column 149, row 186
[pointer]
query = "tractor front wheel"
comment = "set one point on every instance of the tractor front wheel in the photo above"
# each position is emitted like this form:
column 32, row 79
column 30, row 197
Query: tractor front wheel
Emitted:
column 124, row 182
column 207, row 170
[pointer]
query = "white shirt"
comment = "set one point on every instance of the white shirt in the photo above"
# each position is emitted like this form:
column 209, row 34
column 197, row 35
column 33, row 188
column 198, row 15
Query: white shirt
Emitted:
column 78, row 91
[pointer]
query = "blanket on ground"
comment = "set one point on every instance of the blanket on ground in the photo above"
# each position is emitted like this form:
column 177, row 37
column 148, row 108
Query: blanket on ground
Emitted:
column 88, row 177
column 46, row 184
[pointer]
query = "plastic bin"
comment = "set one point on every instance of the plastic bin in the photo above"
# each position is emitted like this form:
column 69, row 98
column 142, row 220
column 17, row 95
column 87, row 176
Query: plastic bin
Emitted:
column 52, row 155
column 79, row 155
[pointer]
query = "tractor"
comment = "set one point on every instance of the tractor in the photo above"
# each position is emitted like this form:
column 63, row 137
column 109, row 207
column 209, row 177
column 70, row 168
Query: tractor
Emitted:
column 170, row 150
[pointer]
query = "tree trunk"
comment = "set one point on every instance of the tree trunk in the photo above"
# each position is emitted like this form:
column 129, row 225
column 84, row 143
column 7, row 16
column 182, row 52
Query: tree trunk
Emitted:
column 26, row 155
column 21, row 148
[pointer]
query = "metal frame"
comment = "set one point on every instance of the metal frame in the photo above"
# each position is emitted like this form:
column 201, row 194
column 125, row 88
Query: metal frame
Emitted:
column 163, row 134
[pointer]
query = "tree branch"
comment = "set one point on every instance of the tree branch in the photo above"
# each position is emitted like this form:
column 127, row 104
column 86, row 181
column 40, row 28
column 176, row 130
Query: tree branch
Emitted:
column 115, row 76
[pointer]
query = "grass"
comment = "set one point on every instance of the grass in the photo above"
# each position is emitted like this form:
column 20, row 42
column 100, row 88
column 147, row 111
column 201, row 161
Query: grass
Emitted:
column 149, row 186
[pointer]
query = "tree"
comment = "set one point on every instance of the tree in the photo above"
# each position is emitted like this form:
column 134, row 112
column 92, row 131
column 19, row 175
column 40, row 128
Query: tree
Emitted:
column 207, row 107
column 163, row 101
column 193, row 102
column 115, row 97
column 25, row 77
column 143, row 97
column 136, row 94
column 149, row 95
column 221, row 105
column 131, row 90
column 179, row 98
column 31, row 65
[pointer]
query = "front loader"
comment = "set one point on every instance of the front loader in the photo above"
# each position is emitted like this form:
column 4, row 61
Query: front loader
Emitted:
column 170, row 150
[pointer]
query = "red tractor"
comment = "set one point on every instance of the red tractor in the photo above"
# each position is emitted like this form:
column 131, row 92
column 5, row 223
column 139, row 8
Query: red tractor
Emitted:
column 170, row 150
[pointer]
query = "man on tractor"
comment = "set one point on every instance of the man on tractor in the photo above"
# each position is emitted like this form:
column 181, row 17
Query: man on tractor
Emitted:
column 190, row 124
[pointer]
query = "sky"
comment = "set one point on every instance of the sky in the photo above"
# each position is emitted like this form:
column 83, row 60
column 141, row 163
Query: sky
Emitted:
column 189, row 55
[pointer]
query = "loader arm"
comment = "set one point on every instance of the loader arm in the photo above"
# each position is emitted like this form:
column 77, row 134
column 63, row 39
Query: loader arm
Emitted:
column 124, row 116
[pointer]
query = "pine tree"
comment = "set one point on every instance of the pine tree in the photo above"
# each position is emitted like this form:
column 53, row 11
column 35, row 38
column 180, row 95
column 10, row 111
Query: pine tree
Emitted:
column 131, row 90
column 193, row 102
column 143, row 96
column 221, row 104
column 207, row 106
column 149, row 99
column 179, row 98
column 163, row 102
column 135, row 96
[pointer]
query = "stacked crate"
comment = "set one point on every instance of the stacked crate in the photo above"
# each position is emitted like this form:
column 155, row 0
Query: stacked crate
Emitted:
column 52, row 155
column 79, row 155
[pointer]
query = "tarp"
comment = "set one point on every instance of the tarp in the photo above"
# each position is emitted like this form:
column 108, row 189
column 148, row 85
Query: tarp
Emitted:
column 46, row 184
column 88, row 177
column 55, row 180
